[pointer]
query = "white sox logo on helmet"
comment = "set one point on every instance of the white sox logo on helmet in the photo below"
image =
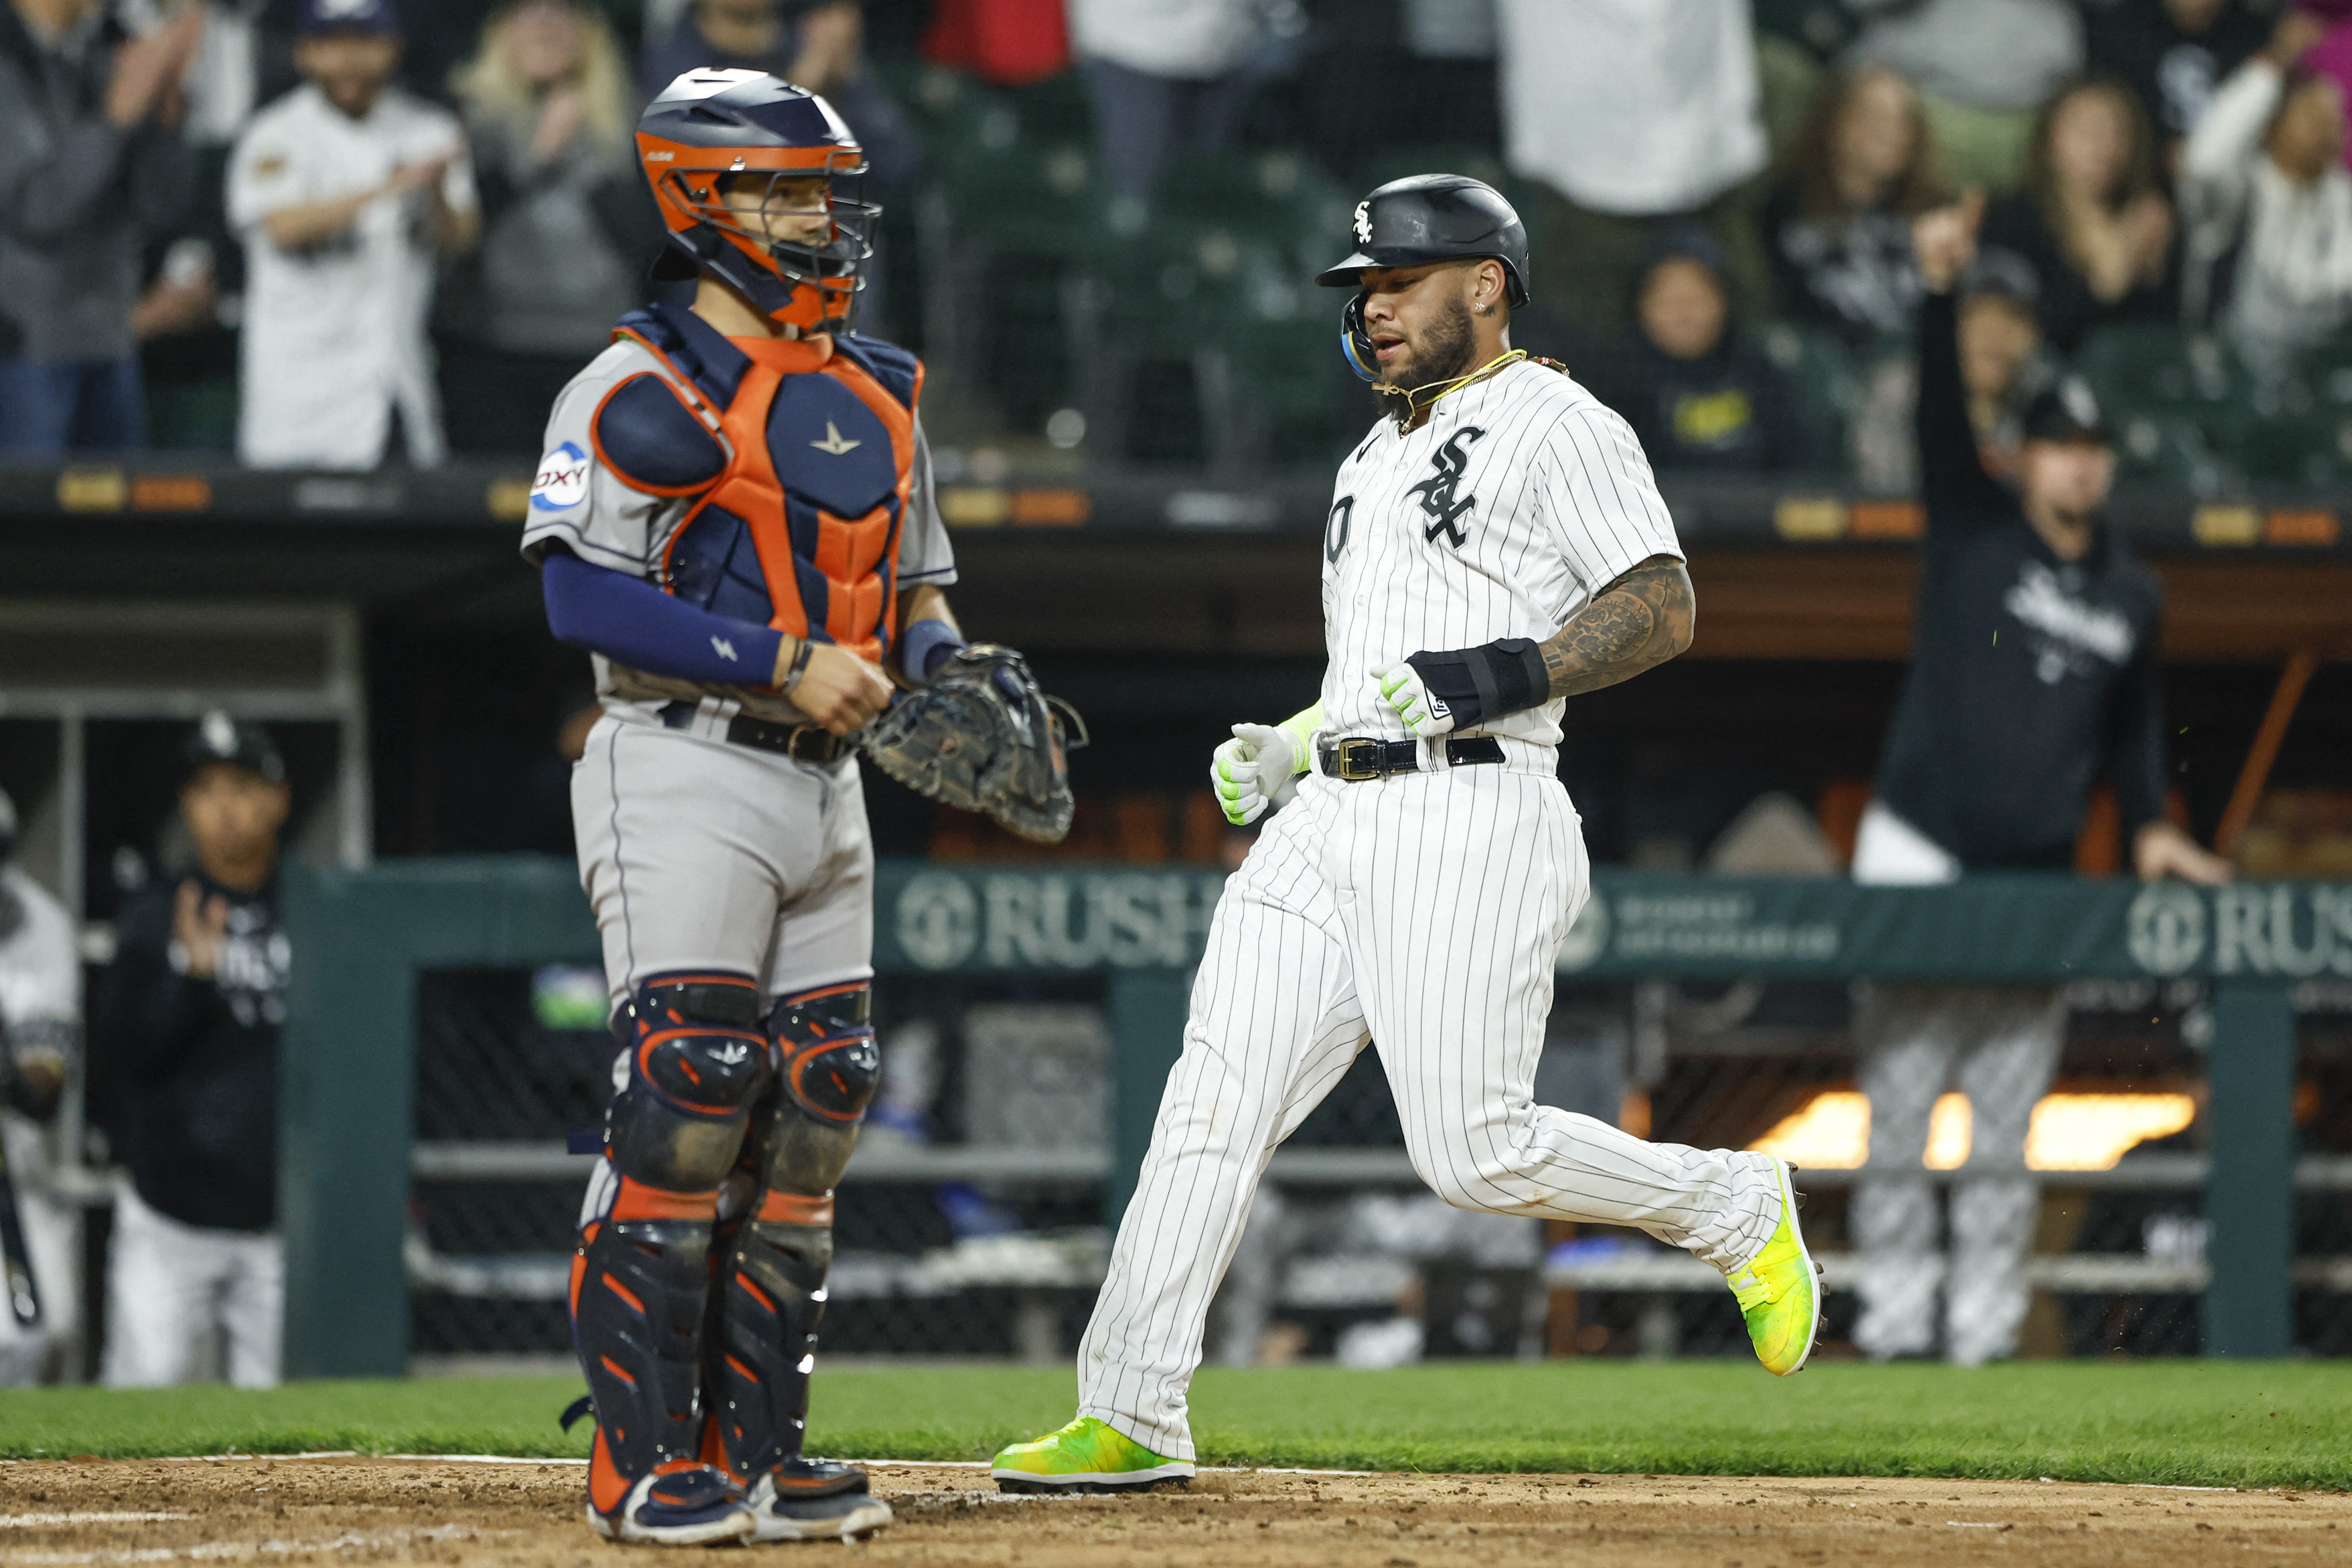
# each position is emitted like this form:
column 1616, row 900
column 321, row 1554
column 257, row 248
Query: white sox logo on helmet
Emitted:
column 1363, row 223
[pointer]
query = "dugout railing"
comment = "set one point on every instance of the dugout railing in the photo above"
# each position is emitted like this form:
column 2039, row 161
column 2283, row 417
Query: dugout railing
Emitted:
column 366, row 940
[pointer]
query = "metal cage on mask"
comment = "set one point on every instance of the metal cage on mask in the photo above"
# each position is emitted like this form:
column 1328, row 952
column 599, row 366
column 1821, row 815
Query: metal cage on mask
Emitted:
column 808, row 284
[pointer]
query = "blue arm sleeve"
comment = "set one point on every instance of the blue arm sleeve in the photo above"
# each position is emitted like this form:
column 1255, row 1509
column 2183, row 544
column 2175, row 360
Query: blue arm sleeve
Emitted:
column 629, row 619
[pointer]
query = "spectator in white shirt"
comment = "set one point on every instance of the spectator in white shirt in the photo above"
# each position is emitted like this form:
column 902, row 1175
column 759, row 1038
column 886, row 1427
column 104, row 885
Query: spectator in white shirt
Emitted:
column 1630, row 111
column 346, row 192
column 2269, row 206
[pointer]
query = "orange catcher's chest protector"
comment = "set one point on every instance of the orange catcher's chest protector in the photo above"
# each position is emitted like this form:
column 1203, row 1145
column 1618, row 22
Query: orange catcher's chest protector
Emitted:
column 800, row 456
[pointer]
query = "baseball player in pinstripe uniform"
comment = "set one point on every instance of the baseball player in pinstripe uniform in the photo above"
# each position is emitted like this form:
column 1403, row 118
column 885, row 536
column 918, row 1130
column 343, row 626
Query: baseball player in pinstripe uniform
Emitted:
column 1496, row 546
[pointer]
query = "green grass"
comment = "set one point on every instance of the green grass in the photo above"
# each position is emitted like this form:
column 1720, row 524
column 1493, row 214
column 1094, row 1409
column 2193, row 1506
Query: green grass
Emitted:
column 2185, row 1423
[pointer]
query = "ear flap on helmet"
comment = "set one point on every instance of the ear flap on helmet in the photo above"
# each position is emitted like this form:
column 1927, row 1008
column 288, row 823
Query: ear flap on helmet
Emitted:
column 1355, row 342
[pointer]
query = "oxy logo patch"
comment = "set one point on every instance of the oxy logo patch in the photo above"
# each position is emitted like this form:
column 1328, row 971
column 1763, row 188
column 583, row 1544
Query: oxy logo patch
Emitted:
column 563, row 480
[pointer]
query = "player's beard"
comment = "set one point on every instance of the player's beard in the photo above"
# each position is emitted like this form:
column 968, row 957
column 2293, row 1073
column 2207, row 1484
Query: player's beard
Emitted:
column 1443, row 353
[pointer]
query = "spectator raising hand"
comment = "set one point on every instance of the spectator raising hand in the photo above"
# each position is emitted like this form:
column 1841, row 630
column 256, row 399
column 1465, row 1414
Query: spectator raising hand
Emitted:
column 347, row 192
column 90, row 163
column 2092, row 220
column 567, row 227
column 2262, row 181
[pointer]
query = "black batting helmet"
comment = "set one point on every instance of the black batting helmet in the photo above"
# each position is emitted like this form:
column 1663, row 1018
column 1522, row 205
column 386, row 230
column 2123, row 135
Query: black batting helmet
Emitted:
column 1436, row 217
column 1424, row 218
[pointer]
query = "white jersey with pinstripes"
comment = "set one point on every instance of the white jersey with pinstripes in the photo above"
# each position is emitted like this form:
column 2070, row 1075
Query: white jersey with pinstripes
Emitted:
column 1520, row 499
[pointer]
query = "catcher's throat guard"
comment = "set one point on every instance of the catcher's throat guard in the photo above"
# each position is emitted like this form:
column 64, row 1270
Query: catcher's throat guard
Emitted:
column 713, row 131
column 982, row 737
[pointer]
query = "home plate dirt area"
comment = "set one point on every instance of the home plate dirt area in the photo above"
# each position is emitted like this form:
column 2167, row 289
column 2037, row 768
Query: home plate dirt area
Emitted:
column 528, row 1515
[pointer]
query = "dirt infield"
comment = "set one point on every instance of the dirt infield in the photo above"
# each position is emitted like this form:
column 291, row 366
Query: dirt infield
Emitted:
column 65, row 1512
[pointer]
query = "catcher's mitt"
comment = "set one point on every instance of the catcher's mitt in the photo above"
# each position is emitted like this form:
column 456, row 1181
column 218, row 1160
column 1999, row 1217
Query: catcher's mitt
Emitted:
column 981, row 736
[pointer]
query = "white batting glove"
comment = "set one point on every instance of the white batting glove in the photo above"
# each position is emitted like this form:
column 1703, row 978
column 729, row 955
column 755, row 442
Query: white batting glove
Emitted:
column 1424, row 714
column 1250, row 771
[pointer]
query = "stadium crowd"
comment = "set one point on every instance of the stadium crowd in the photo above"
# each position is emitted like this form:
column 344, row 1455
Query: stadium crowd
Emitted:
column 334, row 236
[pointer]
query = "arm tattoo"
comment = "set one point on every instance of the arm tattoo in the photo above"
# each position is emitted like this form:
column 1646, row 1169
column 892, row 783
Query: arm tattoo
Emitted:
column 1643, row 619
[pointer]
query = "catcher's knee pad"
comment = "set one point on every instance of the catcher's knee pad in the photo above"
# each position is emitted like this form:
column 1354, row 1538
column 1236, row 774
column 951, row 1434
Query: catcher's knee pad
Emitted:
column 696, row 1059
column 829, row 1068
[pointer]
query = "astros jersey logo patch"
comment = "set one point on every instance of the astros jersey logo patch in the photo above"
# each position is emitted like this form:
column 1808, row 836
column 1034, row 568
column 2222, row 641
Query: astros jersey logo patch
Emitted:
column 562, row 481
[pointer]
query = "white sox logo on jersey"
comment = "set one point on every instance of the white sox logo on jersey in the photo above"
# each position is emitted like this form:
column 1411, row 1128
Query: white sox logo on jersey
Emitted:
column 1437, row 492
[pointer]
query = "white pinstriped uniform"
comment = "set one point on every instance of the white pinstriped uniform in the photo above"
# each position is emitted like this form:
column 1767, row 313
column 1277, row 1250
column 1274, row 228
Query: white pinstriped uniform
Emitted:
column 1423, row 912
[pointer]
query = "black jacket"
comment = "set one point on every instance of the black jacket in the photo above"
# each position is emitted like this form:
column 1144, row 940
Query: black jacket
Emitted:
column 194, row 1061
column 2031, row 677
column 1729, row 412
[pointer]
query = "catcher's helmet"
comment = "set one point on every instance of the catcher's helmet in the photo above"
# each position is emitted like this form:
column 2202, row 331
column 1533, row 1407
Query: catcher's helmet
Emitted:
column 1424, row 218
column 710, row 124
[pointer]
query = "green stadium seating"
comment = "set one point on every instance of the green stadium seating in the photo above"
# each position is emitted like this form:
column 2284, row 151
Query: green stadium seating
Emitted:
column 1827, row 381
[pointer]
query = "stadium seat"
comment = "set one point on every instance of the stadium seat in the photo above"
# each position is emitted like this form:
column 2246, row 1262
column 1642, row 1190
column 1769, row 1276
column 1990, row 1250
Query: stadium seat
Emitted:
column 1821, row 369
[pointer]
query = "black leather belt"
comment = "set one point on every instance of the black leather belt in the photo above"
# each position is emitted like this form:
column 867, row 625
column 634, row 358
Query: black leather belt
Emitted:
column 1356, row 760
column 800, row 742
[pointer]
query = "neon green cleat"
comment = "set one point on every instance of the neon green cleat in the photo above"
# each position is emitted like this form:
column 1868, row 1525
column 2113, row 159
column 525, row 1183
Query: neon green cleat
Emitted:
column 1779, row 1289
column 1085, row 1457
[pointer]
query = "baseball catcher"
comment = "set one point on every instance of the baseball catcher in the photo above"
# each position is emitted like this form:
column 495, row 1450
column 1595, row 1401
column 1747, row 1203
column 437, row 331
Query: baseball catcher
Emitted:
column 735, row 515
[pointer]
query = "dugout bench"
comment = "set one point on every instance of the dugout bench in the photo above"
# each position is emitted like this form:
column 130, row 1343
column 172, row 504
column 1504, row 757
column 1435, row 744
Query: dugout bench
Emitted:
column 363, row 937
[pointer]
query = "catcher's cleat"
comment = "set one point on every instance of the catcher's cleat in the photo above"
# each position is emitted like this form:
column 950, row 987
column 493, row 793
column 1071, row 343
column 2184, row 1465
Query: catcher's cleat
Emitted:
column 815, row 1499
column 1779, row 1289
column 1086, row 1456
column 683, row 1504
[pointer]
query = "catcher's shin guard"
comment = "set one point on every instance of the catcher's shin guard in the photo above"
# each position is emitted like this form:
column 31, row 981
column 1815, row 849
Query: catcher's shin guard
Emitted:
column 694, row 1061
column 772, row 1271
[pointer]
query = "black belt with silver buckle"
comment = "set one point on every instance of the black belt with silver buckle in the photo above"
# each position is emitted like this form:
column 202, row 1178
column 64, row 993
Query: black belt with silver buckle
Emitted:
column 800, row 742
column 1356, row 760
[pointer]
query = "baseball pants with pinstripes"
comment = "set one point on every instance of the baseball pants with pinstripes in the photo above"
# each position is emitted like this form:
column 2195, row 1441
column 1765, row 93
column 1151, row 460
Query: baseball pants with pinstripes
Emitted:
column 1423, row 912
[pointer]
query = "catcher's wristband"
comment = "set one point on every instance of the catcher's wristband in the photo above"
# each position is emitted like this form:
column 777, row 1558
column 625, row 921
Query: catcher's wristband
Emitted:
column 800, row 667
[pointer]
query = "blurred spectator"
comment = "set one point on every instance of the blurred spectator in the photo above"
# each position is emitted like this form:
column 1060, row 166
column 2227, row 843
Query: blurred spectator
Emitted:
column 1162, row 75
column 197, row 996
column 90, row 163
column 346, row 192
column 40, row 1015
column 2332, row 55
column 1401, row 75
column 1012, row 43
column 2171, row 54
column 2092, row 219
column 186, row 318
column 817, row 44
column 1982, row 65
column 566, row 225
column 2269, row 206
column 2033, row 674
column 1630, row 110
column 1859, row 167
column 1698, row 392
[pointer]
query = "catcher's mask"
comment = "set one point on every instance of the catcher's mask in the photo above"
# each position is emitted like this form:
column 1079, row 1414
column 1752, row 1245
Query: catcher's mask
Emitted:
column 759, row 184
column 1426, row 217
